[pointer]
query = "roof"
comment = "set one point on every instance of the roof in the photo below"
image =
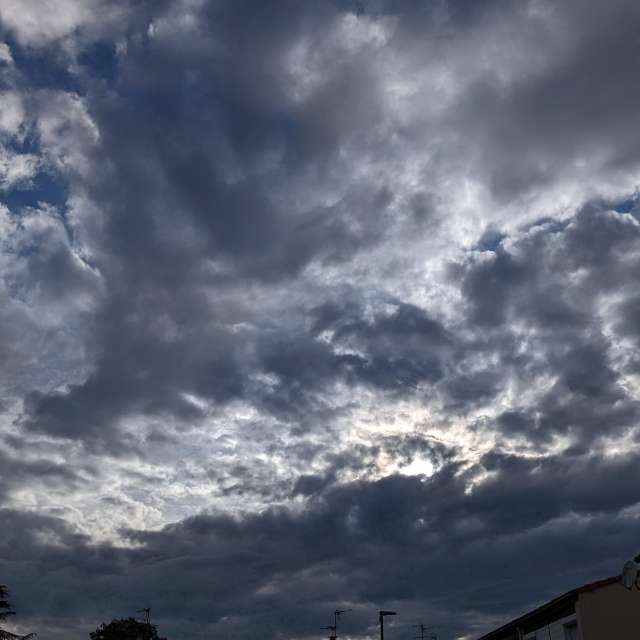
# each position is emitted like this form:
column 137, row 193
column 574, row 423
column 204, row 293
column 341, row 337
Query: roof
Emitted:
column 550, row 608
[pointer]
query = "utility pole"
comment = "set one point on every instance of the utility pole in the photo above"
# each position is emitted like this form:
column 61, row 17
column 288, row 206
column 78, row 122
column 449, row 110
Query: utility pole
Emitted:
column 382, row 616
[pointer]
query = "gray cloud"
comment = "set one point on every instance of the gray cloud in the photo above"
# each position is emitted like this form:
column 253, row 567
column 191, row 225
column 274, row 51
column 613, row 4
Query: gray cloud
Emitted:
column 534, row 288
column 311, row 302
column 357, row 532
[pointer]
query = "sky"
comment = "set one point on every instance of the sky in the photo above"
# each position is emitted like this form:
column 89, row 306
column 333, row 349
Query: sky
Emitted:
column 318, row 304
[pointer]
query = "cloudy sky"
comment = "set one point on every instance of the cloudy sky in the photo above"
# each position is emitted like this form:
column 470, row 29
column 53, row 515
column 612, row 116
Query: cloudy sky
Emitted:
column 316, row 304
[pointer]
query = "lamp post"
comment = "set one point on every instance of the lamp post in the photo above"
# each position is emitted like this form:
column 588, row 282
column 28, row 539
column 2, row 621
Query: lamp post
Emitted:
column 382, row 616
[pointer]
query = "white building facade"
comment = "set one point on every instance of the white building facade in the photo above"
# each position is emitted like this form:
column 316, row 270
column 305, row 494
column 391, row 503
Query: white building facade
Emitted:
column 603, row 610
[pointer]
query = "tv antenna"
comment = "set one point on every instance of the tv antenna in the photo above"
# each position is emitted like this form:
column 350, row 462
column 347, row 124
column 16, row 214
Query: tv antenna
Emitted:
column 423, row 628
column 333, row 628
column 147, row 614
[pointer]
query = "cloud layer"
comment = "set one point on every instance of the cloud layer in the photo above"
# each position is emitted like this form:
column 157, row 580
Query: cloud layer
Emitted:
column 307, row 305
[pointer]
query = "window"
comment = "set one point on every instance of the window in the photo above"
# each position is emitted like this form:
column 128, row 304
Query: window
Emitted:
column 571, row 631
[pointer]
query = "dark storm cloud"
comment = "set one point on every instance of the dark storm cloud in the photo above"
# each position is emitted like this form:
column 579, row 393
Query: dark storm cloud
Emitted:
column 170, row 207
column 18, row 472
column 404, row 347
column 365, row 460
column 629, row 318
column 530, row 283
column 531, row 131
column 240, row 568
column 550, row 284
column 253, row 207
column 203, row 112
column 396, row 349
column 138, row 372
column 178, row 120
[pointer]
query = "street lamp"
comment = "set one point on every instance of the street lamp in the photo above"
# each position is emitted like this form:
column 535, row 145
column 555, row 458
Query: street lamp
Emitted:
column 382, row 616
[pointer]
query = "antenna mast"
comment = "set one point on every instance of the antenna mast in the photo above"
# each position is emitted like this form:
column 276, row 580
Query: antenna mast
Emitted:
column 422, row 635
column 147, row 614
column 333, row 628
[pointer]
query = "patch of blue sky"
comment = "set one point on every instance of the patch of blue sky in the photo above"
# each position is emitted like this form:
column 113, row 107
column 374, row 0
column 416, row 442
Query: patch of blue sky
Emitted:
column 43, row 69
column 100, row 60
column 43, row 188
column 490, row 240
column 630, row 205
column 28, row 143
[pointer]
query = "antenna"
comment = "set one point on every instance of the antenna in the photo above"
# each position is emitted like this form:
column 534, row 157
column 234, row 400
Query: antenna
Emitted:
column 336, row 615
column 422, row 630
column 332, row 629
column 147, row 614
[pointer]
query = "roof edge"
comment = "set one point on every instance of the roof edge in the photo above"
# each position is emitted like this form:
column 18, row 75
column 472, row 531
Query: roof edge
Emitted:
column 552, row 604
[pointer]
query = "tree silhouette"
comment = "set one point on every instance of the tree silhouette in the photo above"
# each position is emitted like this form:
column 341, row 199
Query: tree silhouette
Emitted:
column 5, row 612
column 5, row 607
column 126, row 629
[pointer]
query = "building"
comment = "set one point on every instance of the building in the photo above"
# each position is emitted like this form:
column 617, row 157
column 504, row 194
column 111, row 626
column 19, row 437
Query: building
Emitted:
column 603, row 610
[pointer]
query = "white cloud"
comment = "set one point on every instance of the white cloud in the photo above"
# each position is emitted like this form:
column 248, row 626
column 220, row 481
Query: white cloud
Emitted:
column 16, row 169
column 67, row 131
column 38, row 22
column 5, row 53
column 12, row 113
